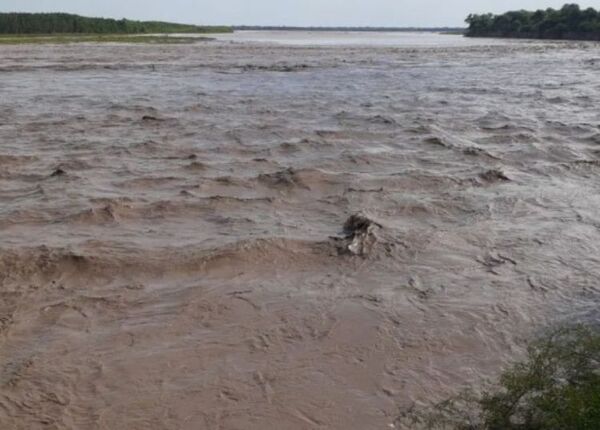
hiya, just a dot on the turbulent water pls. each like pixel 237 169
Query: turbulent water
pixel 177 246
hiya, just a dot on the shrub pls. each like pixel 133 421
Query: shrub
pixel 557 386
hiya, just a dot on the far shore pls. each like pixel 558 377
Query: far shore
pixel 19 39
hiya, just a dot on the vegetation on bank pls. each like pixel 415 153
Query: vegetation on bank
pixel 569 22
pixel 556 387
pixel 97 38
pixel 63 23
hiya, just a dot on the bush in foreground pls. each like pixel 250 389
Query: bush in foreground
pixel 556 387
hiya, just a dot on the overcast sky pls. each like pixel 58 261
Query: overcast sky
pixel 396 13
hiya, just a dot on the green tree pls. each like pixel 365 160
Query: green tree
pixel 569 22
pixel 51 23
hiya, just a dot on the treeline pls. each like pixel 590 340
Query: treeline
pixel 64 23
pixel 569 22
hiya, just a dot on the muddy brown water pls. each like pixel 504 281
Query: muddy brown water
pixel 172 244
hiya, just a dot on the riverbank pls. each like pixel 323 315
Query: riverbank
pixel 98 38
pixel 593 37
pixel 15 23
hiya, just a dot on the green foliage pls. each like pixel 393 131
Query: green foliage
pixel 62 23
pixel 570 22
pixel 556 387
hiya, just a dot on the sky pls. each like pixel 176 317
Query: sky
pixel 388 13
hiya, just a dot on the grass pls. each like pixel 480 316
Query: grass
pixel 556 387
pixel 97 38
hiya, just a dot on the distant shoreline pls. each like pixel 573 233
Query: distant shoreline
pixel 453 30
pixel 69 38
